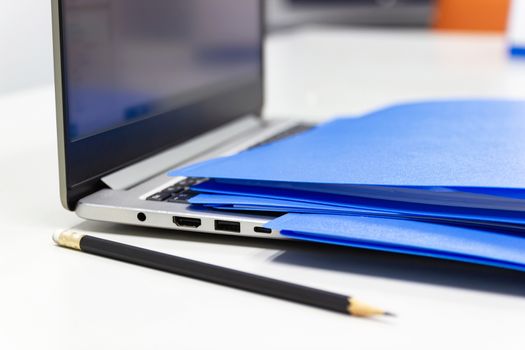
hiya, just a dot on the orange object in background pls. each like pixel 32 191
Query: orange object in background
pixel 481 15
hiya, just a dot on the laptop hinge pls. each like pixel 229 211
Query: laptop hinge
pixel 141 171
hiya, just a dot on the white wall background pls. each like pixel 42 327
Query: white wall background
pixel 26 58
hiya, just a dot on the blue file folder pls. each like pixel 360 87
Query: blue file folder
pixel 474 144
pixel 253 196
pixel 409 237
pixel 443 179
pixel 258 204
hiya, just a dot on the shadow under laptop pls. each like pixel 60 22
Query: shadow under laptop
pixel 349 260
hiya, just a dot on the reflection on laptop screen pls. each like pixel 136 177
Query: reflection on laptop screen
pixel 127 60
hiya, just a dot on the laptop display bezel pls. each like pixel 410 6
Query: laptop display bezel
pixel 84 162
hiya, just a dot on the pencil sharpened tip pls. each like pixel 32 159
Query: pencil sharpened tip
pixel 389 314
pixel 360 309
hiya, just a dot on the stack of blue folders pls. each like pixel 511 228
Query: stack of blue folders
pixel 443 179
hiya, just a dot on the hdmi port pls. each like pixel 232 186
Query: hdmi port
pixel 186 222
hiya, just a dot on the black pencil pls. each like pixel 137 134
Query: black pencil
pixel 216 274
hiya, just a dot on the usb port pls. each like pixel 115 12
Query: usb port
pixel 261 229
pixel 229 226
pixel 186 222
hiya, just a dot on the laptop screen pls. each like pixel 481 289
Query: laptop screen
pixel 135 77
pixel 128 60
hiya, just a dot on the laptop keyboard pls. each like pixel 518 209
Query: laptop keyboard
pixel 181 192
pixel 288 132
pixel 177 193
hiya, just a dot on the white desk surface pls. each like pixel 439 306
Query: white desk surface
pixel 54 298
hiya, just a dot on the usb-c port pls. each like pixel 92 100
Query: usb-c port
pixel 186 222
pixel 260 229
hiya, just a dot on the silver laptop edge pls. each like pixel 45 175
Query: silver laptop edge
pixel 124 201
pixel 59 101
pixel 123 204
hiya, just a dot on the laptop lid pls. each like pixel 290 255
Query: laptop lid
pixel 135 77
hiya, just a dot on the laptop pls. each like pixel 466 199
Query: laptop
pixel 143 87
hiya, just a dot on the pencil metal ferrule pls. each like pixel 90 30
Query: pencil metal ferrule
pixel 69 239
